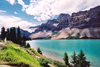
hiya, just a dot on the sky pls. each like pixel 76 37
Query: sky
pixel 26 13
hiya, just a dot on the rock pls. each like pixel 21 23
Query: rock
pixel 63 16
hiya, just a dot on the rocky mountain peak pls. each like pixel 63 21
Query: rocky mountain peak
pixel 63 16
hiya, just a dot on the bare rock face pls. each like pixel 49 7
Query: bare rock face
pixel 47 26
pixel 81 20
pixel 63 16
pixel 50 25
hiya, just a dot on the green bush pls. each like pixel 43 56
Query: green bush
pixel 39 51
pixel 27 45
pixel 43 62
pixel 58 64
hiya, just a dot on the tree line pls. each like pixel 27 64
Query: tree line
pixel 13 35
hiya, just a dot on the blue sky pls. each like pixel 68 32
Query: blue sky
pixel 26 13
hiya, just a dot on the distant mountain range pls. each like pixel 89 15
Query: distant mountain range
pixel 83 24
pixel 23 32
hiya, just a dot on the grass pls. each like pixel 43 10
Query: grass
pixel 16 55
pixel 35 52
pixel 28 52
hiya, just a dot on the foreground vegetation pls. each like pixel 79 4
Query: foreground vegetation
pixel 16 55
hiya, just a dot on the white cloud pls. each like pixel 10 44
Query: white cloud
pixel 15 13
pixel 2 11
pixel 12 21
pixel 23 4
pixel 44 9
pixel 12 2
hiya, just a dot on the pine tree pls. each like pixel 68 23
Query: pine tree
pixel 81 57
pixel 10 37
pixel 28 45
pixel 18 35
pixel 82 60
pixel 8 34
pixel 66 58
pixel 14 34
pixel 74 59
pixel 3 33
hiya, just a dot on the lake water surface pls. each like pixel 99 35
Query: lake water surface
pixel 56 48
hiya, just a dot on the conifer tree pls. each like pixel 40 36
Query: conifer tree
pixel 66 58
pixel 14 34
pixel 82 60
pixel 8 34
pixel 3 33
pixel 18 35
pixel 28 45
pixel 74 59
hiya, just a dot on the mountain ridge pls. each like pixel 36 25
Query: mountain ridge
pixel 22 32
pixel 87 22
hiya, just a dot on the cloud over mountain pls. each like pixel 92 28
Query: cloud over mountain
pixel 12 21
pixel 44 9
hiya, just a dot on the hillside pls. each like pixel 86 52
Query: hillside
pixel 15 55
pixel 83 24
pixel 12 55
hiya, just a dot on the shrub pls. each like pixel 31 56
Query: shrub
pixel 27 45
pixel 58 63
pixel 43 62
pixel 39 51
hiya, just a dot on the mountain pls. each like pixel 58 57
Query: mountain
pixel 63 16
pixel 83 24
pixel 23 32
pixel 52 24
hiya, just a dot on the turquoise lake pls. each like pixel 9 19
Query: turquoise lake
pixel 56 48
